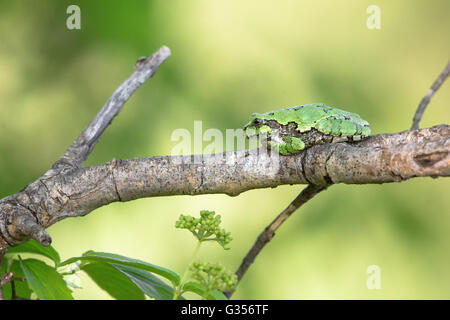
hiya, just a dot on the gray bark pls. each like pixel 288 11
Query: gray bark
pixel 68 190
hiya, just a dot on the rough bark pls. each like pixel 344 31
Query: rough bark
pixel 379 159
pixel 68 190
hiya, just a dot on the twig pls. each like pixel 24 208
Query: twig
pixel 269 232
pixel 80 149
pixel 426 100
pixel 13 289
pixel 6 278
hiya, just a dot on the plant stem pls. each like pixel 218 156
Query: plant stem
pixel 177 290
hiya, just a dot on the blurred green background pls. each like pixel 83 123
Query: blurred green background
pixel 229 59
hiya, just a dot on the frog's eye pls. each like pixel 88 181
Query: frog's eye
pixel 257 121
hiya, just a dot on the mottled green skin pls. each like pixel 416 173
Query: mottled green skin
pixel 318 123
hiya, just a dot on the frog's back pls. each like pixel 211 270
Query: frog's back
pixel 318 116
pixel 293 129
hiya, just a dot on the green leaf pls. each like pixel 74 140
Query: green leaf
pixel 22 289
pixel 45 281
pixel 147 282
pixel 200 290
pixel 117 284
pixel 92 256
pixel 32 246
pixel 4 265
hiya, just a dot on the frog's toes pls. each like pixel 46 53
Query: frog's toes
pixel 290 145
pixel 366 131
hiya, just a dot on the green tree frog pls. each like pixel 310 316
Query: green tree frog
pixel 291 130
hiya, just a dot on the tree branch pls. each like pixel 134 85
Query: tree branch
pixel 68 190
pixel 21 220
pixel 269 232
pixel 426 100
pixel 77 153
pixel 378 159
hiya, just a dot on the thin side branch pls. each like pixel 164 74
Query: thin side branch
pixel 6 278
pixel 77 153
pixel 426 100
pixel 266 236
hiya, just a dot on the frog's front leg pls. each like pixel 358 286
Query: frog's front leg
pixel 286 145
